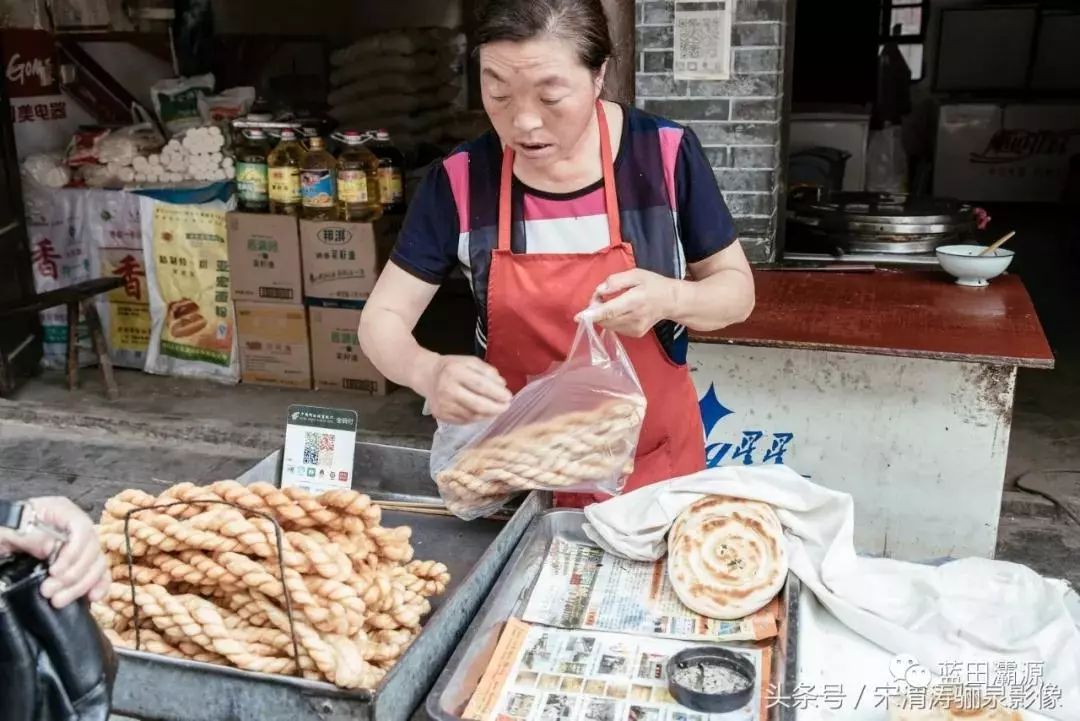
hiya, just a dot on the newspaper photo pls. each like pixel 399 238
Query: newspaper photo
pixel 548 674
pixel 582 586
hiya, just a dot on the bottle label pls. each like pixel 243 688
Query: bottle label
pixel 251 182
pixel 391 188
pixel 317 188
pixel 285 185
pixel 352 186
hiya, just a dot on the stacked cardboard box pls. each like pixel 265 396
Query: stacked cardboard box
pixel 267 289
pixel 299 289
pixel 341 263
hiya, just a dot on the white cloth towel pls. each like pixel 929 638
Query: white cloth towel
pixel 965 611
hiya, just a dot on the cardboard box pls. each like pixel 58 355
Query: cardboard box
pixel 336 358
pixel 274 347
pixel 339 261
pixel 264 258
pixel 342 260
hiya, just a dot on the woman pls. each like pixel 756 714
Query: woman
pixel 571 200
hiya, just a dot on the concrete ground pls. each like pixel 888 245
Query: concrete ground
pixel 1046 418
pixel 163 431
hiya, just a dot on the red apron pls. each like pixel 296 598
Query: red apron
pixel 531 303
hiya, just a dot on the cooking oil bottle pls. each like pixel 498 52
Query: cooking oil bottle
pixel 358 181
pixel 391 173
pixel 284 174
pixel 251 172
pixel 317 182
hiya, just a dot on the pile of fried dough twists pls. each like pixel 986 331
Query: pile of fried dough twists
pixel 207 580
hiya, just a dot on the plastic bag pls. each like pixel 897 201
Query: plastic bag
pixel 176 101
pixel 84 146
pixel 47 169
pixel 122 146
pixel 574 428
pixel 886 161
pixel 59 257
pixel 221 108
pixel 113 230
pixel 192 326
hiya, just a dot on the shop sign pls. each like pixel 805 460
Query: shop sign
pixel 747 446
pixel 30 68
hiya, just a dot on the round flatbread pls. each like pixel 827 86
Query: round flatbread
pixel 727 557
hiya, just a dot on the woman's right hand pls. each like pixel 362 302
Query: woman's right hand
pixel 464 389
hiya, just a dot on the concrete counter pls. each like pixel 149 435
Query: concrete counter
pixel 896 387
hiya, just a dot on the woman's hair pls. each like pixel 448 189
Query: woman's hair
pixel 582 22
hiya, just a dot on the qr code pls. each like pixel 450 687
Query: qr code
pixel 319 449
pixel 699 38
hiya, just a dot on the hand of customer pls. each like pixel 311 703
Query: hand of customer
pixel 464 389
pixel 79 569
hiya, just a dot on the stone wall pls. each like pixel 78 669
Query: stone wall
pixel 740 120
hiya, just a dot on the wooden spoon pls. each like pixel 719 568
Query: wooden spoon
pixel 998 243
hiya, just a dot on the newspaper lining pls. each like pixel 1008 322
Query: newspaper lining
pixel 548 674
pixel 583 587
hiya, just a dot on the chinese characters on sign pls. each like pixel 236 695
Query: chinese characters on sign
pixel 267 245
pixel 45 257
pixel 754 447
pixel 336 255
pixel 36 112
pixel 341 336
pixel 131 271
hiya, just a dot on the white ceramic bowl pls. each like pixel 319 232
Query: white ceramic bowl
pixel 969 268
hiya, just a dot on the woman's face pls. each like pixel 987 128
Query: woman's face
pixel 538 95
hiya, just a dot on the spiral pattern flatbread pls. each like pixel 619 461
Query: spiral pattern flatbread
pixel 727 557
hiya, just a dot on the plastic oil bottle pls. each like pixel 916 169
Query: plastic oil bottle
pixel 252 184
pixel 317 182
pixel 283 166
pixel 391 173
pixel 358 181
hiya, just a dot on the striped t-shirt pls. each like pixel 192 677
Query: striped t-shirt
pixel 669 202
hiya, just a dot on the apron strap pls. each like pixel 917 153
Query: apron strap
pixel 607 162
pixel 505 190
pixel 611 201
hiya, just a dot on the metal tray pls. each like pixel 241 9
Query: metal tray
pixel 508 597
pixel 157 688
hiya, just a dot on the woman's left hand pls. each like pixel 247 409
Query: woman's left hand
pixel 634 301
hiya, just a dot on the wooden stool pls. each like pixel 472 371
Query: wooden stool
pixel 80 295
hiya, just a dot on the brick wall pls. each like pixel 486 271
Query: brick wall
pixel 739 121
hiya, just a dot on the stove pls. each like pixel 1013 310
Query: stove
pixel 872 228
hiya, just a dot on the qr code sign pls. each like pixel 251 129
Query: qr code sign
pixel 698 37
pixel 318 449
pixel 702 44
